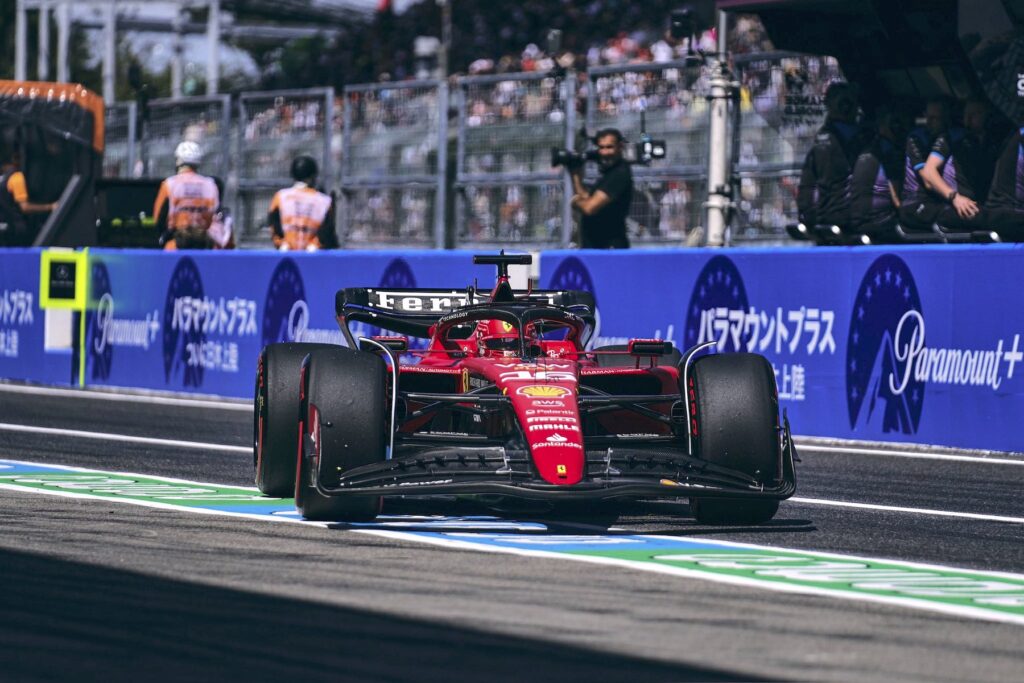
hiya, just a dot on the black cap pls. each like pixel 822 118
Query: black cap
pixel 304 168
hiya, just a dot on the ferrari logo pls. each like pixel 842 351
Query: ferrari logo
pixel 542 391
pixel 507 326
pixel 561 470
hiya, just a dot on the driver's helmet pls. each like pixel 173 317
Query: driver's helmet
pixel 497 338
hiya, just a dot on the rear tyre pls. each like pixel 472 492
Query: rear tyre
pixel 275 416
pixel 735 426
pixel 624 360
pixel 343 424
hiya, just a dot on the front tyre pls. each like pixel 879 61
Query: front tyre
pixel 275 416
pixel 343 426
pixel 735 425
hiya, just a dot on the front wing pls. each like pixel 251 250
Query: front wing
pixel 657 468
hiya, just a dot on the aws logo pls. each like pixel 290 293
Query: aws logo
pixel 717 307
pixel 883 393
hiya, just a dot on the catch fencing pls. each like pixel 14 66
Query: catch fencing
pixel 413 165
pixel 205 120
pixel 506 191
pixel 394 156
pixel 119 154
pixel 781 107
pixel 274 128
pixel 669 101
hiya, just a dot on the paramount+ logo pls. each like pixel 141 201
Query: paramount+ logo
pixel 889 360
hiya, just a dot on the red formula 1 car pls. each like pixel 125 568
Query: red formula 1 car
pixel 504 402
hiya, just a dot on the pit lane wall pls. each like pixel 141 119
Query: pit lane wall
pixel 911 344
pixel 195 323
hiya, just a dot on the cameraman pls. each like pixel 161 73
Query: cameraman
pixel 606 205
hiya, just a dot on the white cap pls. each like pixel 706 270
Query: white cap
pixel 188 153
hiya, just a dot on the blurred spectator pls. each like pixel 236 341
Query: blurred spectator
pixel 187 204
pixel 824 195
pixel 1005 205
pixel 16 210
pixel 916 212
pixel 301 218
pixel 952 173
pixel 878 176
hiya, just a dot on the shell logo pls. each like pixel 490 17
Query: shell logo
pixel 542 391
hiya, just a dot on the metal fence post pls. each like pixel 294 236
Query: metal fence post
pixel 132 109
pixel 569 82
pixel 442 165
pixel 327 175
pixel 346 141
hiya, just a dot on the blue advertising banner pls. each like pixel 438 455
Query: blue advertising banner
pixel 196 322
pixel 915 344
pixel 23 355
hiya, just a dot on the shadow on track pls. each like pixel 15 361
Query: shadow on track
pixel 63 619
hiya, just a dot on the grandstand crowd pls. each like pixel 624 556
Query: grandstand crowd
pixel 782 105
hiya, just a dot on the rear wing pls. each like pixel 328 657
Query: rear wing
pixel 414 311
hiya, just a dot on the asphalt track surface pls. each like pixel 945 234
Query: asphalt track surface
pixel 102 591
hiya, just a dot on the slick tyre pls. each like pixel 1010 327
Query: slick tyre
pixel 624 360
pixel 275 416
pixel 343 425
pixel 735 426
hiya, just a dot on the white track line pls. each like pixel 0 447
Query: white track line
pixel 4 426
pixel 212 402
pixel 853 450
pixel 913 511
pixel 240 405
pixel 247 449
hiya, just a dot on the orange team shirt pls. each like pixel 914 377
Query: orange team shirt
pixel 302 211
pixel 16 186
pixel 191 200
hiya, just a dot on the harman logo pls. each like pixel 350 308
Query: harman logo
pixel 717 293
pixel 180 342
pixel 880 391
